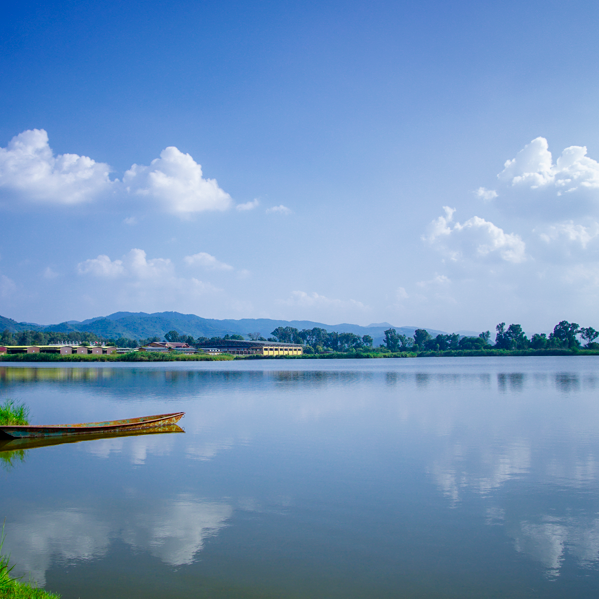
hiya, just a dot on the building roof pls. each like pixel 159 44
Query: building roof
pixel 240 343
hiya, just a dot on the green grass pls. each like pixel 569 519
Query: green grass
pixel 13 588
pixel 13 413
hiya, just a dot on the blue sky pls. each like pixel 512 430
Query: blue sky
pixel 333 161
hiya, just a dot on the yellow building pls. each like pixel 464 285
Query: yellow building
pixel 249 348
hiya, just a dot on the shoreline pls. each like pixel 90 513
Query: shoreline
pixel 158 357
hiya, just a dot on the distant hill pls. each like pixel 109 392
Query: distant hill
pixel 140 325
pixel 14 327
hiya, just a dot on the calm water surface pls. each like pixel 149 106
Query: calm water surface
pixel 422 478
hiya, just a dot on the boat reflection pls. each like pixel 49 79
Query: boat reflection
pixel 12 446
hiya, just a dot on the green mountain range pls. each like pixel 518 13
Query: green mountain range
pixel 140 325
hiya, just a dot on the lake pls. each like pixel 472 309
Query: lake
pixel 386 478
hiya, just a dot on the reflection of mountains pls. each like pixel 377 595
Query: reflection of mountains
pixel 173 531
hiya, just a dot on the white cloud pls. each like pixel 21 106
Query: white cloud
pixel 50 273
pixel 151 284
pixel 436 280
pixel 102 266
pixel 7 286
pixel 570 232
pixel 175 180
pixel 248 205
pixel 134 264
pixel 206 261
pixel 533 186
pixel 475 239
pixel 401 294
pixel 279 210
pixel 29 171
pixel 303 299
pixel 533 166
pixel 486 194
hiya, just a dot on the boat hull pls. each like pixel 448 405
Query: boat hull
pixel 89 428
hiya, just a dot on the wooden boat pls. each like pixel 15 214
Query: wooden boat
pixel 24 431
pixel 10 444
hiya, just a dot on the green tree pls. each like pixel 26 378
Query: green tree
pixel 421 336
pixel 472 343
pixel 501 340
pixel 486 337
pixel 539 341
pixel 391 340
pixel 287 335
pixel 172 336
pixel 589 334
pixel 564 335
pixel 7 338
pixel 367 341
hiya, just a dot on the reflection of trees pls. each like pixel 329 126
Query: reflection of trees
pixel 514 381
pixel 9 459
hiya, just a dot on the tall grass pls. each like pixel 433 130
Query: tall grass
pixel 13 588
pixel 13 413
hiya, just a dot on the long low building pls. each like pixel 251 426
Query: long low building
pixel 63 350
pixel 248 348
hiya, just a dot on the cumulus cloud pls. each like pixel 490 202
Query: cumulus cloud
pixel 134 264
pixel 279 210
pixel 30 171
pixel 533 167
pixel 248 205
pixel 175 181
pixel 206 261
pixel 475 239
pixel 534 186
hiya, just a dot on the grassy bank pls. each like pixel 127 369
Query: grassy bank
pixel 13 413
pixel 130 357
pixel 11 588
pixel 452 353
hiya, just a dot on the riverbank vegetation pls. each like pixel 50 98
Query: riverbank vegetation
pixel 129 357
pixel 13 413
pixel 565 336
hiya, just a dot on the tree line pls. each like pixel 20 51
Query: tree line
pixel 565 335
pixel 39 338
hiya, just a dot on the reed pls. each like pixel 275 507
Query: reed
pixel 13 588
pixel 13 413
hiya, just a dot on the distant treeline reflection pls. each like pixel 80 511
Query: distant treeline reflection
pixel 128 382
